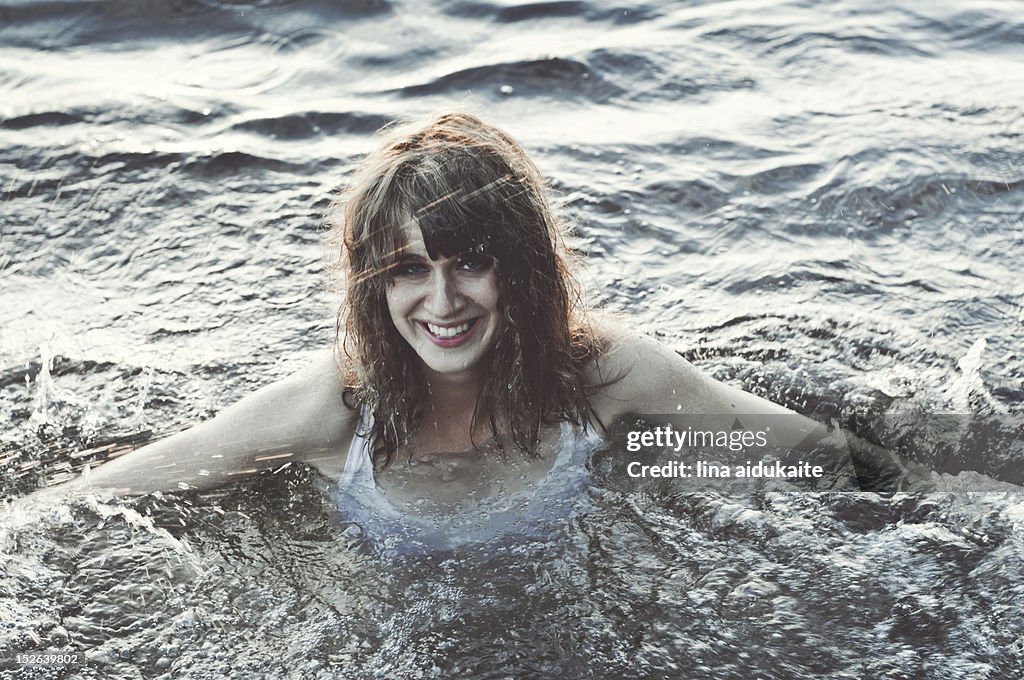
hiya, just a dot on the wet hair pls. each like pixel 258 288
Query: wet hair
pixel 469 187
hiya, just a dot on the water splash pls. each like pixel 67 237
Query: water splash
pixel 967 392
pixel 43 397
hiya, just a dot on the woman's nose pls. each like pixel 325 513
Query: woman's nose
pixel 444 298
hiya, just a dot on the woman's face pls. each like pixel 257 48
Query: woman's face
pixel 446 309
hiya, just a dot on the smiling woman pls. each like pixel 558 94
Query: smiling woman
pixel 448 223
pixel 461 337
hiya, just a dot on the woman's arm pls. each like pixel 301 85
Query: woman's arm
pixel 300 418
pixel 646 378
pixel 642 377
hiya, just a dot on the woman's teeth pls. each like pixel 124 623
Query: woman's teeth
pixel 449 332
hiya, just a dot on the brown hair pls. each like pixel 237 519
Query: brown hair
pixel 469 186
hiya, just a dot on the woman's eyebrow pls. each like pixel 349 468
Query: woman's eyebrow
pixel 405 257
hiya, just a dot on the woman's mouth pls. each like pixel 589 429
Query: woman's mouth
pixel 452 335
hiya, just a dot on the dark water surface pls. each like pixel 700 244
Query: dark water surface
pixel 821 203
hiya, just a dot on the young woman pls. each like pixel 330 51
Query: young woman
pixel 464 363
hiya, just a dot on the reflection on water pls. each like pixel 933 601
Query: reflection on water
pixel 819 203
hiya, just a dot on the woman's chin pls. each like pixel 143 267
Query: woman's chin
pixel 451 371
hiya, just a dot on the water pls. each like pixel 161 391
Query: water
pixel 819 203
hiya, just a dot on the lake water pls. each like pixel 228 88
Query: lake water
pixel 821 203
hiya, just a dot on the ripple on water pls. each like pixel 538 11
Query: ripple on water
pixel 252 65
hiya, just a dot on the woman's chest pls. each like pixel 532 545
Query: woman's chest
pixel 446 481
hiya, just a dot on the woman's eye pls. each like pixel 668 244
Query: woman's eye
pixel 474 262
pixel 408 269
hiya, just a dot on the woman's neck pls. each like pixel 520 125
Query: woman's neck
pixel 448 416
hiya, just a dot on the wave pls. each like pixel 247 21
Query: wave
pixel 41 119
pixel 540 11
pixel 552 77
pixel 313 124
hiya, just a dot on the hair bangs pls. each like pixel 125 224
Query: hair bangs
pixel 460 209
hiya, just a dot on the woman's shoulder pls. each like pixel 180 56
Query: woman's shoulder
pixel 637 374
pixel 629 355
pixel 315 401
pixel 641 376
